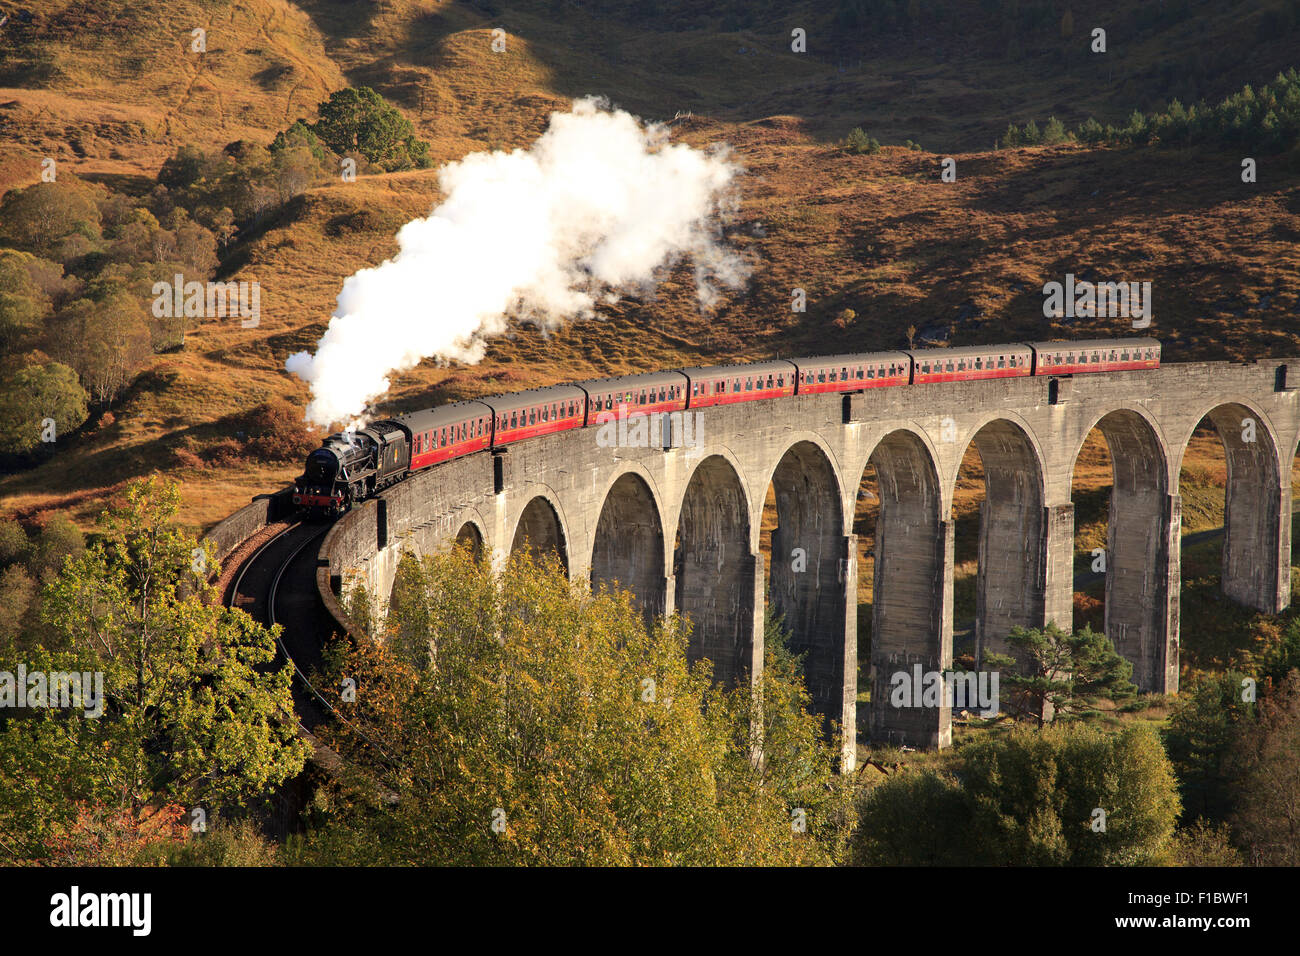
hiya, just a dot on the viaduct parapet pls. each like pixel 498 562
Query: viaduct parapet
pixel 680 527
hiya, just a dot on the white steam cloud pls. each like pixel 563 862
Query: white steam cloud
pixel 599 204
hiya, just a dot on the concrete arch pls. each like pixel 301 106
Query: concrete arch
pixel 628 549
pixel 789 441
pixel 1135 431
pixel 911 611
pixel 471 536
pixel 1015 420
pixel 541 530
pixel 694 459
pixel 715 572
pixel 1256 509
pixel 807 577
pixel 1142 548
pixel 1011 584
pixel 1249 407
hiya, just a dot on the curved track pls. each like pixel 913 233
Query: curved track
pixel 277 585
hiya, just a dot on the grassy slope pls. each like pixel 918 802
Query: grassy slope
pixel 877 234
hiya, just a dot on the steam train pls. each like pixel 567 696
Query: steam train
pixel 350 467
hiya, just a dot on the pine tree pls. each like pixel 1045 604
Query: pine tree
pixel 1064 673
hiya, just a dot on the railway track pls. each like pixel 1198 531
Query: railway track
pixel 277 585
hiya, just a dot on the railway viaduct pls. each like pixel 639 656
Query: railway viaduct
pixel 679 527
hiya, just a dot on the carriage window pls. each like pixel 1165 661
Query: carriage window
pixel 532 416
pixel 961 365
pixel 979 362
pixel 1069 358
pixel 1123 356
pixel 871 373
pixel 770 380
pixel 749 384
pixel 1002 361
pixel 821 376
pixel 780 381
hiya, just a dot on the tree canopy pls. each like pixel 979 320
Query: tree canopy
pixel 193 710
pixel 357 119
pixel 517 718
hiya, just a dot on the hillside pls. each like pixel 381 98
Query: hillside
pixel 110 90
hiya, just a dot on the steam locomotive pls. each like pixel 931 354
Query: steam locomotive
pixel 350 467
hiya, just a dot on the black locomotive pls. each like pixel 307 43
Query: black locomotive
pixel 352 466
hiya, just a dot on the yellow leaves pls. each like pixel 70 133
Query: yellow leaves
pixel 533 703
